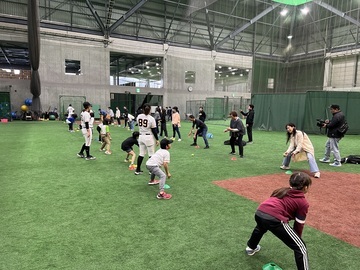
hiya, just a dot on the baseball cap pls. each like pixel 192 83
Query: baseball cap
pixel 164 143
pixel 87 104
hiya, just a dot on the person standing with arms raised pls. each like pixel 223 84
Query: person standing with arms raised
pixel 148 137
pixel 249 122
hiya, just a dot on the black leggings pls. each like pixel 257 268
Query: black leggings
pixel 284 232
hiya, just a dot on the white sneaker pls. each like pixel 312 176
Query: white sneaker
pixel 324 160
pixel 179 140
pixel 335 164
pixel 283 167
pixel 251 252
pixel 317 175
pixel 107 153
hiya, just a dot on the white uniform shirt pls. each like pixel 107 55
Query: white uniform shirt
pixel 70 110
pixel 146 123
pixel 85 117
pixel 158 159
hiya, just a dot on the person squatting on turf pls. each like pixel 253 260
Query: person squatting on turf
pixel 86 131
pixel 105 137
pixel 127 146
pixel 300 148
pixel 200 130
pixel 70 121
pixel 237 131
pixel 160 158
pixel 274 214
pixel 147 137
pixel 334 136
pixel 175 120
pixel 249 122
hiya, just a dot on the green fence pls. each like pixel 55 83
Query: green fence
pixel 217 108
pixel 273 111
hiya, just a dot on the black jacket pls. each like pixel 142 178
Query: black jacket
pixel 249 117
pixel 332 127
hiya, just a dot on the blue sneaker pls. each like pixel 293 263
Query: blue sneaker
pixel 251 252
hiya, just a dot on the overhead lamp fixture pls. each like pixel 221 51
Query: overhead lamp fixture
pixel 284 12
pixel 305 10
pixel 16 71
pixel 290 36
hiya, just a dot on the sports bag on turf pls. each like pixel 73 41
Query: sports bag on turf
pixel 352 159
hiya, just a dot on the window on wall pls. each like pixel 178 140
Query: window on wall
pixel 190 76
pixel 72 67
pixel 136 70
pixel 232 79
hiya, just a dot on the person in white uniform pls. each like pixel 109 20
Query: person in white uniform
pixel 86 131
pixel 148 137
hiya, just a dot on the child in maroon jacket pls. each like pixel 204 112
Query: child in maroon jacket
pixel 274 214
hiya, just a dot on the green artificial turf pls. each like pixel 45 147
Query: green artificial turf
pixel 59 211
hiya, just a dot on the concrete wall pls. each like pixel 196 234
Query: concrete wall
pixel 94 83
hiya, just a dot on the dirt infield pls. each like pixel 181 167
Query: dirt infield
pixel 334 200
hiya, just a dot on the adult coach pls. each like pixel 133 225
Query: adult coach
pixel 148 137
pixel 249 122
pixel 86 131
pixel 200 130
pixel 237 131
pixel 334 136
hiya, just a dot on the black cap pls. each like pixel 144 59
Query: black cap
pixel 335 107
pixel 164 143
pixel 87 104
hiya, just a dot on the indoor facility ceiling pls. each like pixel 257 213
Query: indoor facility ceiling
pixel 282 29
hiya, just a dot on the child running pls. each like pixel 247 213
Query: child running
pixel 160 158
pixel 274 214
pixel 127 146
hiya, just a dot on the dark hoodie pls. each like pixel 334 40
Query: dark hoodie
pixel 293 206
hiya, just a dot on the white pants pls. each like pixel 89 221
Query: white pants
pixel 146 144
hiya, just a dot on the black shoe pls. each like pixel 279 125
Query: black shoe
pixel 232 153
pixel 138 172
pixel 193 144
pixel 80 155
pixel 206 147
pixel 241 156
pixel 90 158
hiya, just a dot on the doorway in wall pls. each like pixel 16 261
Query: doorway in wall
pixel 5 110
pixel 75 101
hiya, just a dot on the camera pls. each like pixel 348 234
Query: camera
pixel 320 122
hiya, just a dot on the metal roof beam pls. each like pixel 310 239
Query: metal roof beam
pixel 211 37
pixel 337 12
pixel 242 28
pixel 126 16
pixel 96 16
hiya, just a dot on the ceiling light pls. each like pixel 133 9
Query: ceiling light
pixel 284 12
pixel 241 74
pixel 220 66
pixel 290 36
pixel 305 10
pixel 233 73
pixel 229 67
